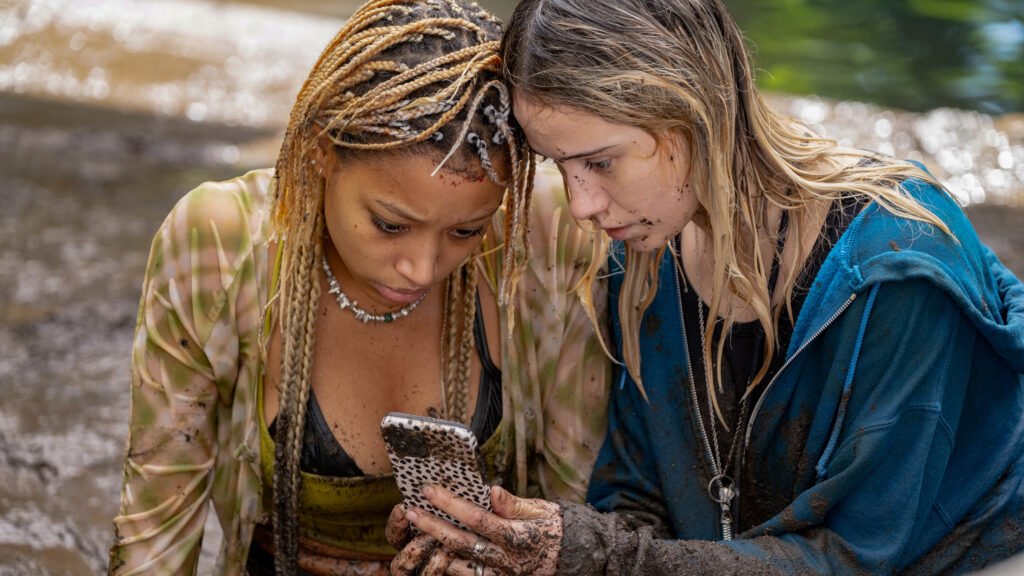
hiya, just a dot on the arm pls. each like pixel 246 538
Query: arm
pixel 184 363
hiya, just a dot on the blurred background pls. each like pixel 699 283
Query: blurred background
pixel 110 110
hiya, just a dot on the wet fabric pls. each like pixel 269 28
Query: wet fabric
pixel 193 437
pixel 742 352
pixel 891 441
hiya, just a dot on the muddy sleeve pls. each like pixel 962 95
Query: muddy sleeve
pixel 607 543
pixel 184 361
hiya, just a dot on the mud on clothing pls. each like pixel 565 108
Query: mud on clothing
pixel 892 439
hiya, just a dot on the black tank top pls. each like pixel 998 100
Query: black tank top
pixel 742 351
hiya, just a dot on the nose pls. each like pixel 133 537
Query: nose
pixel 419 265
pixel 586 199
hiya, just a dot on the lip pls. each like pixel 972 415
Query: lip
pixel 401 297
pixel 620 233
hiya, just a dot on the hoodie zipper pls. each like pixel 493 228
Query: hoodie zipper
pixel 726 520
pixel 760 401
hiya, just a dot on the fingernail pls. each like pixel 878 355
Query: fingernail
pixel 410 516
pixel 428 491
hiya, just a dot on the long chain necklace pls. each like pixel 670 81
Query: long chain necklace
pixel 346 303
pixel 722 488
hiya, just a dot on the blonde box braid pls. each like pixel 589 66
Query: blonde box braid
pixel 395 77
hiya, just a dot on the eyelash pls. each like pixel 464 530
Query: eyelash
pixel 467 233
pixel 387 227
pixel 392 229
pixel 601 166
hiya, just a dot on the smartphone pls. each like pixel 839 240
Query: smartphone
pixel 425 450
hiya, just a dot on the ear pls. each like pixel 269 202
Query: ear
pixel 322 154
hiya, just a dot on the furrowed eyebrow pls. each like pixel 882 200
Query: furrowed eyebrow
pixel 398 211
pixel 405 214
pixel 582 154
pixel 483 214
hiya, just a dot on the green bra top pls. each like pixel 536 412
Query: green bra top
pixel 349 513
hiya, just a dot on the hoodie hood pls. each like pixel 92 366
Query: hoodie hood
pixel 881 247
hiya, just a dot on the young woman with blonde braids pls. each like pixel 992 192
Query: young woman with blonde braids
pixel 285 312
pixel 822 367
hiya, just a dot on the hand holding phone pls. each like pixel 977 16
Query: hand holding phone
pixel 426 451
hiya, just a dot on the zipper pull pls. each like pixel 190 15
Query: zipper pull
pixel 723 497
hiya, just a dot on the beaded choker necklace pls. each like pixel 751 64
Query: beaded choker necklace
pixel 345 303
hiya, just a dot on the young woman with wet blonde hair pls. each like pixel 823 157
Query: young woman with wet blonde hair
pixel 285 312
pixel 821 366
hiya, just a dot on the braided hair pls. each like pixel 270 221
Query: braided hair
pixel 402 76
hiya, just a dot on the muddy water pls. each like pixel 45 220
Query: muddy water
pixel 78 207
pixel 85 184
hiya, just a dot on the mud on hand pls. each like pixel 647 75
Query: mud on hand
pixel 521 536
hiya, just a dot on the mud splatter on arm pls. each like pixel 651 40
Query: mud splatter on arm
pixel 605 543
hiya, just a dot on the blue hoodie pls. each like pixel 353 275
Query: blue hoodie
pixel 891 440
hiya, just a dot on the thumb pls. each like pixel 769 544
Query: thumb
pixel 510 507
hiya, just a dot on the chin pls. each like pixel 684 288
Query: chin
pixel 646 243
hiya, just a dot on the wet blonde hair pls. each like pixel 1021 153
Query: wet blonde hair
pixel 679 69
pixel 401 76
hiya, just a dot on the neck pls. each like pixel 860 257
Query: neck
pixel 698 255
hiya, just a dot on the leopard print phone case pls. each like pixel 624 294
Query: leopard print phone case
pixel 425 451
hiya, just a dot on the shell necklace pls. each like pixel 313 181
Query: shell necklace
pixel 346 303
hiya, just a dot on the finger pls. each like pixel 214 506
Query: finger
pixel 397 531
pixel 449 535
pixel 454 539
pixel 458 541
pixel 409 559
pixel 510 507
pixel 438 563
pixel 460 567
pixel 477 519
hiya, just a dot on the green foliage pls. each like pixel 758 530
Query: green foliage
pixel 915 55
